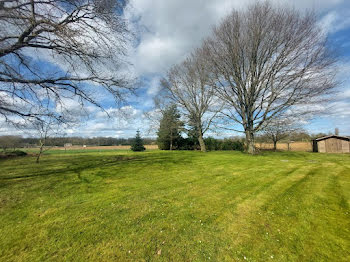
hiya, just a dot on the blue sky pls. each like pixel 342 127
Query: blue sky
pixel 166 31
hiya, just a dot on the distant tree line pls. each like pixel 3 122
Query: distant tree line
pixel 297 136
pixel 173 134
pixel 181 140
pixel 13 142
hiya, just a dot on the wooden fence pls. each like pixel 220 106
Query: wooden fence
pixel 148 147
pixel 294 146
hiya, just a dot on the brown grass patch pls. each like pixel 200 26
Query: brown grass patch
pixel 148 147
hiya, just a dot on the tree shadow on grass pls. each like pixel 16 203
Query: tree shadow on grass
pixel 78 166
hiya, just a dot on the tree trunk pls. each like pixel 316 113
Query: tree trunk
pixel 171 141
pixel 249 135
pixel 274 145
pixel 40 152
pixel 38 157
pixel 201 142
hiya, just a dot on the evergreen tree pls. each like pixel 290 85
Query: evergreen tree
pixel 193 134
pixel 169 129
pixel 137 145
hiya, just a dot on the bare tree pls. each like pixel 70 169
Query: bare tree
pixel 189 86
pixel 45 129
pixel 279 129
pixel 7 142
pixel 51 51
pixel 161 104
pixel 267 60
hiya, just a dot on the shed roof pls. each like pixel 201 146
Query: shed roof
pixel 333 136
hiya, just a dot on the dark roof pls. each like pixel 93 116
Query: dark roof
pixel 333 136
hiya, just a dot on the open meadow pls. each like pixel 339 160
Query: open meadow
pixel 175 206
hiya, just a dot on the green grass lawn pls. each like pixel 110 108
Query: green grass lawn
pixel 175 206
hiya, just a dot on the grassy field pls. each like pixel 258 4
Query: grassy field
pixel 175 206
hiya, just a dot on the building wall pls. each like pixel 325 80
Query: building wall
pixel 333 145
pixel 321 146
pixel 345 146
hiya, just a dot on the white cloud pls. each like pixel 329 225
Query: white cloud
pixel 340 110
pixel 346 94
pixel 335 21
pixel 119 122
pixel 154 86
pixel 169 30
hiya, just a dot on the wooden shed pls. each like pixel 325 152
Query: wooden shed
pixel 332 144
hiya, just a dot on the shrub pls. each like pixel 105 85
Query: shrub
pixel 229 144
pixel 226 144
pixel 188 143
pixel 19 153
pixel 13 153
pixel 212 144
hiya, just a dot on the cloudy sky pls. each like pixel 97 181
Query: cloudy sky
pixel 166 31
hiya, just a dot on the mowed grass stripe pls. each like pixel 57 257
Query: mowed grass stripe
pixel 289 229
pixel 175 206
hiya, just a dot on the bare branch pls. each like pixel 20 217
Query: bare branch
pixel 52 50
pixel 188 85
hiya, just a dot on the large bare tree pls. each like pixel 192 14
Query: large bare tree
pixel 189 86
pixel 267 60
pixel 51 51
